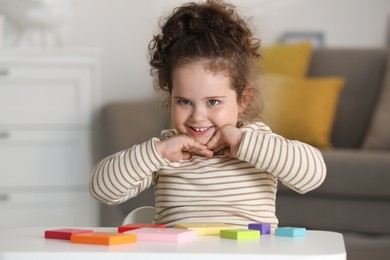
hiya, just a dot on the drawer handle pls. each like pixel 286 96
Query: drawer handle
pixel 4 135
pixel 4 73
pixel 4 197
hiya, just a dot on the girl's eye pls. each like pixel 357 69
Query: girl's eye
pixel 213 102
pixel 183 102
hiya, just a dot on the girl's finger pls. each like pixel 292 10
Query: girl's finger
pixel 227 152
pixel 186 155
pixel 201 150
pixel 219 148
pixel 206 153
pixel 214 142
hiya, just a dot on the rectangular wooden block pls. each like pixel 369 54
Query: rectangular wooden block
pixel 65 233
pixel 205 228
pixel 240 234
pixel 128 227
pixel 290 232
pixel 164 234
pixel 103 238
pixel 264 228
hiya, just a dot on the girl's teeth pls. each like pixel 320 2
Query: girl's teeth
pixel 200 129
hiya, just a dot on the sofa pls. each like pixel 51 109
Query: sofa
pixel 355 196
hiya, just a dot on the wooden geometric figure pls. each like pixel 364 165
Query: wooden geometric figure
pixel 65 233
pixel 103 238
pixel 264 228
pixel 240 234
pixel 164 234
pixel 290 232
pixel 205 229
pixel 128 227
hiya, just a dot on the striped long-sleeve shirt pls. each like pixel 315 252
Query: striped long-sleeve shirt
pixel 234 191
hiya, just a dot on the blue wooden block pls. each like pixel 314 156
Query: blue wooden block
pixel 290 232
pixel 265 228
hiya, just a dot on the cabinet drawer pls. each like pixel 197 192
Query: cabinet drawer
pixel 50 208
pixel 45 95
pixel 44 158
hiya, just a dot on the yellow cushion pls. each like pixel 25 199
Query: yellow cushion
pixel 302 109
pixel 287 59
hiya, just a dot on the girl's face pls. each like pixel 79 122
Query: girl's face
pixel 202 101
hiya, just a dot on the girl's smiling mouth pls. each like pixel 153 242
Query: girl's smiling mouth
pixel 199 130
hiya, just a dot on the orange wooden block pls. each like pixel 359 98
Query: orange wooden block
pixel 103 238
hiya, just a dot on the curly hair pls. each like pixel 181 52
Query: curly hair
pixel 212 31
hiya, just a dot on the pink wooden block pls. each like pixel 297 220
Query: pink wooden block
pixel 164 234
pixel 65 233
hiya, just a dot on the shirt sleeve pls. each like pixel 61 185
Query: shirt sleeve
pixel 125 174
pixel 298 165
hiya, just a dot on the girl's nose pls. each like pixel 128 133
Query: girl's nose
pixel 198 114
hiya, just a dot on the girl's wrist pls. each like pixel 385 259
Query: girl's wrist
pixel 159 147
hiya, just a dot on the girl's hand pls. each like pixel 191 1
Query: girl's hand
pixel 181 147
pixel 226 140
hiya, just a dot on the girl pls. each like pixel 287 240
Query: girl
pixel 215 166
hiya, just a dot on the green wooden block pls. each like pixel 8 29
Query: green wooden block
pixel 240 234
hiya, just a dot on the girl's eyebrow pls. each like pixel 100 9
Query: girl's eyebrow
pixel 215 97
pixel 211 97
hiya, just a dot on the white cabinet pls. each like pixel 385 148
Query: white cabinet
pixel 48 99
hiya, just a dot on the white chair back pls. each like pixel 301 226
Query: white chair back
pixel 141 215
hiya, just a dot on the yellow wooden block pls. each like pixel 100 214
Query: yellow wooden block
pixel 103 238
pixel 205 229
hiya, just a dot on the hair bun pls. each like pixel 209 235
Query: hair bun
pixel 197 25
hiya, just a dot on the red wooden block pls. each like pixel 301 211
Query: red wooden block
pixel 128 227
pixel 65 233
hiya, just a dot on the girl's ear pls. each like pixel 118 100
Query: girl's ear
pixel 245 99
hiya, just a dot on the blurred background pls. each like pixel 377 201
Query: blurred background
pixel 123 28
pixel 95 52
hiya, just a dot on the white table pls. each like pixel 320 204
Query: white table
pixel 29 243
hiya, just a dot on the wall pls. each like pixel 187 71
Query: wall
pixel 345 23
pixel 123 28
